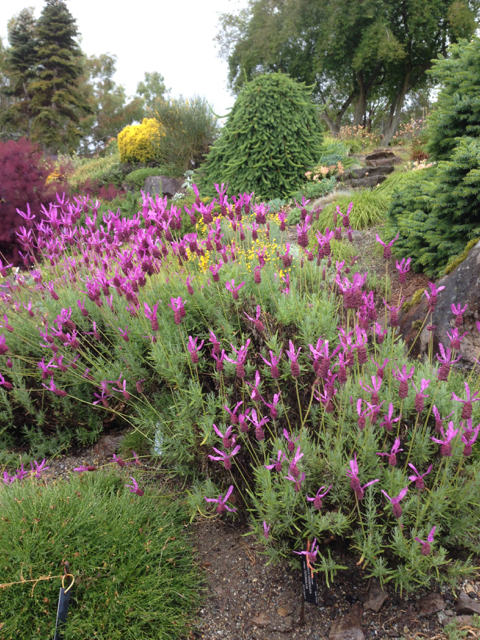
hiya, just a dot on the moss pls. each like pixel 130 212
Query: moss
pixel 417 325
pixel 460 258
pixel 415 299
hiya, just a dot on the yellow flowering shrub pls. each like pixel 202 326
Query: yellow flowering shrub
pixel 140 142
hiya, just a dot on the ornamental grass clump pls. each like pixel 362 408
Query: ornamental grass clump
pixel 261 379
pixel 135 575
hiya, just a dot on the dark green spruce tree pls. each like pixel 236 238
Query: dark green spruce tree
pixel 19 66
pixel 272 137
pixel 57 99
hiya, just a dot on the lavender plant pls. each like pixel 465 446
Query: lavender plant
pixel 263 368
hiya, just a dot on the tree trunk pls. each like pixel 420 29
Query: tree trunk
pixel 395 112
pixel 359 116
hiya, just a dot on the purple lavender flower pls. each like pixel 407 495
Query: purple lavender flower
pixel 55 389
pixel 230 285
pixel 374 389
pixel 420 396
pixel 225 457
pixel 417 478
pixel 403 268
pixel 456 338
pixel 403 378
pixel 397 509
pixel 39 468
pixel 439 420
pixel 258 424
pixel 446 443
pixel 273 363
pixel 354 480
pixel 277 465
pixel 426 549
pixel 273 406
pixel 458 312
pixel 228 441
pixel 255 395
pixel 256 321
pixel 387 248
pixel 446 362
pixel 134 487
pixel 241 357
pixel 152 315
pixel 266 530
pixel 310 553
pixel 291 443
pixel 222 502
pixel 469 436
pixel 432 297
pixel 293 357
pixel 388 419
pixel 233 414
pixel 194 349
pixel 468 403
pixel 85 468
pixel 392 456
pixel 317 500
pixel 179 310
pixel 297 480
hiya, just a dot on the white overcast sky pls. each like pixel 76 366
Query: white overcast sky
pixel 172 37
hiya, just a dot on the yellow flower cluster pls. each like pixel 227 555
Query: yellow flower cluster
pixel 140 142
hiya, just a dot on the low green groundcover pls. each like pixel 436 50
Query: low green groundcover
pixel 134 566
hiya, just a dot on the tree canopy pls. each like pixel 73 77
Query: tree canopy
pixel 354 52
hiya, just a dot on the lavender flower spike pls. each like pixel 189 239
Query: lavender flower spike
pixel 419 479
pixel 222 502
pixel 446 443
pixel 426 545
pixel 317 500
pixel 397 509
pixel 134 488
pixel 392 456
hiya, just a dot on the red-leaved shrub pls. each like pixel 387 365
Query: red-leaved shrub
pixel 23 180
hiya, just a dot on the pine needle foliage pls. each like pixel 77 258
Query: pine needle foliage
pixel 272 137
pixel 438 213
pixel 457 112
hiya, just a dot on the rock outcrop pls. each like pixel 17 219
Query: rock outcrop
pixel 163 185
pixel 462 286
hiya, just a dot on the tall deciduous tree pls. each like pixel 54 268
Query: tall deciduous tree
pixel 355 52
pixel 57 101
pixel 151 89
pixel 110 106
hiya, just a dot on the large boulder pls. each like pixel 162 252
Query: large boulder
pixel 163 185
pixel 462 286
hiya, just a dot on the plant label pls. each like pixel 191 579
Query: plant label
pixel 62 612
pixel 310 587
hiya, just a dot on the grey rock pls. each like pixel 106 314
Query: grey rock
pixel 261 620
pixel 462 286
pixel 467 605
pixel 443 619
pixel 364 183
pixel 431 603
pixel 282 625
pixel 349 627
pixel 163 185
pixel 462 620
pixel 381 157
pixel 376 597
pixel 107 446
pixel 448 612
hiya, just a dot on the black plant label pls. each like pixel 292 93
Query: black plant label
pixel 62 612
pixel 310 587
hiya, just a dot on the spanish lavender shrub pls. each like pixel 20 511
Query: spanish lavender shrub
pixel 106 320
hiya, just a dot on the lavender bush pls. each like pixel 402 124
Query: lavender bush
pixel 263 369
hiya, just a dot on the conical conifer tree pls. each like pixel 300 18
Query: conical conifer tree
pixel 272 137
pixel 57 100
pixel 20 64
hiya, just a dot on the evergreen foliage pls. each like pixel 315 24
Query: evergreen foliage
pixel 272 137
pixel 457 112
pixel 56 101
pixel 20 63
pixel 439 213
